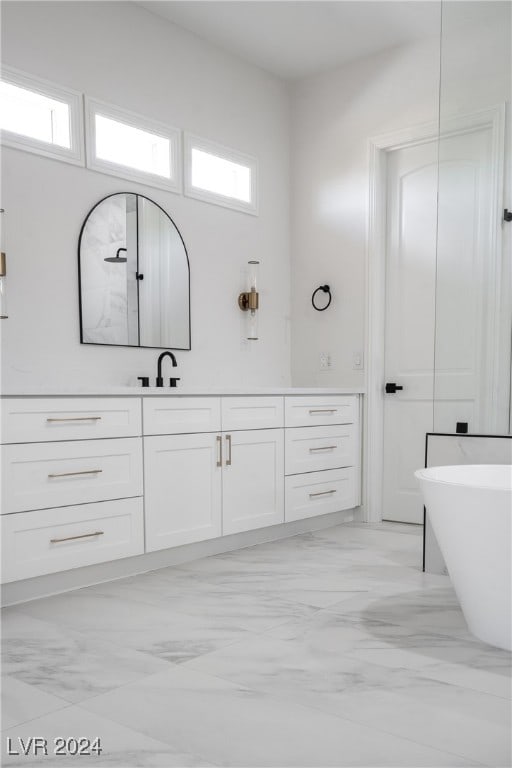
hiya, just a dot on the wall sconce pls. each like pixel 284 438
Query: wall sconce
pixel 249 302
pixel 3 267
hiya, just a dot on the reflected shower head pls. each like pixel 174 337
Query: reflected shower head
pixel 117 259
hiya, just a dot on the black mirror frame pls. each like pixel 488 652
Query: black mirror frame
pixel 131 346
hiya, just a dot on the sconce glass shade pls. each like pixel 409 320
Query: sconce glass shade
pixel 252 325
pixel 3 268
pixel 253 275
pixel 248 302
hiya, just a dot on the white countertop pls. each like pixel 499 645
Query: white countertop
pixel 178 391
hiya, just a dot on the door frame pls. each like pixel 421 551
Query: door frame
pixel 378 147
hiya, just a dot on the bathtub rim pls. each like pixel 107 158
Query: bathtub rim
pixel 425 475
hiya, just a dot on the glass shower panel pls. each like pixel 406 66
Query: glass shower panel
pixel 473 291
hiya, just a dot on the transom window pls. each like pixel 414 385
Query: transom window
pixel 40 117
pixel 128 145
pixel 220 175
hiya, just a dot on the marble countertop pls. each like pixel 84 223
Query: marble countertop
pixel 177 392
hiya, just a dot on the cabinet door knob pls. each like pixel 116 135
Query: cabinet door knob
pixel 228 441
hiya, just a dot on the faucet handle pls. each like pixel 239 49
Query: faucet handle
pixel 173 382
pixel 144 380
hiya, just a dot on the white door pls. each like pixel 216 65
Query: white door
pixel 253 479
pixel 424 330
pixel 183 489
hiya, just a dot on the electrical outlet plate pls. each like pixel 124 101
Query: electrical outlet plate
pixel 325 361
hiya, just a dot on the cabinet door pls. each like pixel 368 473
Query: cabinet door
pixel 253 480
pixel 183 489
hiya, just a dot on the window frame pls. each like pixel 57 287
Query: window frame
pixel 74 100
pixel 134 120
pixel 191 141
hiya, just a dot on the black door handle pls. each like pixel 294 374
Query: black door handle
pixel 391 388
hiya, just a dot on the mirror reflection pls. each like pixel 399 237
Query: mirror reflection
pixel 134 276
pixel 472 303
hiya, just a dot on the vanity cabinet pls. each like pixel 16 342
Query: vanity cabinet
pixel 88 480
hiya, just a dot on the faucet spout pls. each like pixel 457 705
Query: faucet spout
pixel 159 377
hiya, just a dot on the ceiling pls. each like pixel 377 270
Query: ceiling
pixel 297 38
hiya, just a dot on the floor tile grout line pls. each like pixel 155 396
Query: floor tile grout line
pixel 287 700
pixel 110 719
pixel 67 705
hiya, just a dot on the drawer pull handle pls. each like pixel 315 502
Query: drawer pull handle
pixel 76 418
pixel 228 460
pixel 219 444
pixel 71 474
pixel 322 493
pixel 323 410
pixel 82 536
pixel 323 448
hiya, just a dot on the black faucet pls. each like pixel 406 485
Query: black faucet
pixel 159 378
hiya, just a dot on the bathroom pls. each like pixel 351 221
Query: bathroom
pixel 221 555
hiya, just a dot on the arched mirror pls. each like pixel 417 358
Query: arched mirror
pixel 134 276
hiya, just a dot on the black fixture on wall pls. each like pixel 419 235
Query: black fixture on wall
pixel 324 289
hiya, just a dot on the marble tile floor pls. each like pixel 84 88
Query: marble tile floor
pixel 324 649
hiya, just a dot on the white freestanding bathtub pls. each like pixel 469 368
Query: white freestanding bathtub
pixel 470 508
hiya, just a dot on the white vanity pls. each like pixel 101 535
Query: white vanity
pixel 89 480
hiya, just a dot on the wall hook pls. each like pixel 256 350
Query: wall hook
pixel 325 289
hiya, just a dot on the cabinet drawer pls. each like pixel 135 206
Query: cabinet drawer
pixel 310 449
pixel 318 493
pixel 51 540
pixel 44 475
pixel 252 413
pixel 28 420
pixel 315 411
pixel 180 415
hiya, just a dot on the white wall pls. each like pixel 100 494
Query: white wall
pixel 333 117
pixel 123 54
